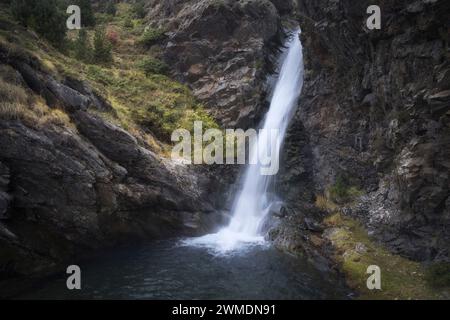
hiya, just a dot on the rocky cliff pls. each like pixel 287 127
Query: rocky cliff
pixel 72 182
pixel 372 129
pixel 370 137
pixel 223 50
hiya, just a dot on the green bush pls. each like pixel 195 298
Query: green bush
pixel 102 47
pixel 111 8
pixel 45 16
pixel 152 66
pixel 151 36
pixel 128 23
pixel 82 47
pixel 338 190
pixel 87 14
pixel 139 10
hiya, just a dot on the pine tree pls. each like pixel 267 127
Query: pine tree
pixel 44 16
pixel 111 8
pixel 102 48
pixel 82 47
pixel 87 14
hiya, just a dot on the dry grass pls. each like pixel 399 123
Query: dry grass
pixel 12 93
pixel 17 103
pixel 149 107
pixel 13 101
pixel 325 204
pixel 11 111
pixel 12 50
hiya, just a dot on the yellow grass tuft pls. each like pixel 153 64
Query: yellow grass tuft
pixel 325 204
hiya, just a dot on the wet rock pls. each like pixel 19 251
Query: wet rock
pixel 312 225
pixel 76 190
pixel 73 193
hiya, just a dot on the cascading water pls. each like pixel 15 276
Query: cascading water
pixel 252 202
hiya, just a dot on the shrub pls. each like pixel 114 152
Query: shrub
pixel 22 10
pixel 152 66
pixel 151 36
pixel 139 10
pixel 102 47
pixel 325 204
pixel 338 191
pixel 112 36
pixel 82 47
pixel 128 23
pixel 111 8
pixel 44 16
pixel 87 14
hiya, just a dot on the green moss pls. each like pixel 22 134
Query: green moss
pixel 400 278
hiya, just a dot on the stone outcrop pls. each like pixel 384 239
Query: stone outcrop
pixel 223 50
pixel 68 190
pixel 375 111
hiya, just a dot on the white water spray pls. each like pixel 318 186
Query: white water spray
pixel 252 202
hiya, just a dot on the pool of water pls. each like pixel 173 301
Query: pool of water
pixel 171 270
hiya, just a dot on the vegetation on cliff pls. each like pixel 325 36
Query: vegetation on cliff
pixel 145 101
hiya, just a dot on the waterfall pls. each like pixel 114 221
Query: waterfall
pixel 252 203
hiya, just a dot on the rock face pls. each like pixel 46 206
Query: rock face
pixel 375 110
pixel 222 49
pixel 71 189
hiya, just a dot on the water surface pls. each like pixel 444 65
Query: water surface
pixel 168 270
